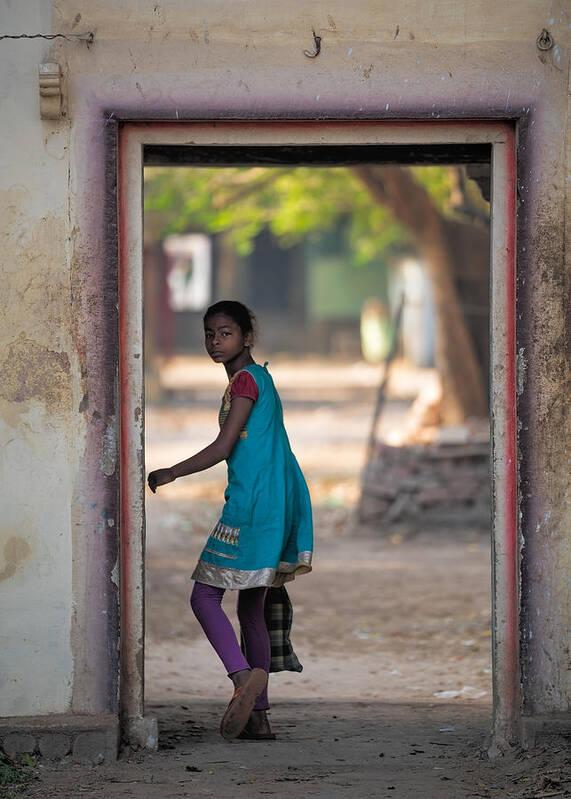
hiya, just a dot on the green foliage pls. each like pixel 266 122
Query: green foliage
pixel 438 182
pixel 295 203
pixel 15 771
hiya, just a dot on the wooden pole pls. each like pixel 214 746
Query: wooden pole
pixel 381 393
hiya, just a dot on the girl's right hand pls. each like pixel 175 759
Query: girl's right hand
pixel 159 477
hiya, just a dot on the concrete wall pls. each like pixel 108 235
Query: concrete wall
pixel 58 351
pixel 41 433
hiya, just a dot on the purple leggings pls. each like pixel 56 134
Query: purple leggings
pixel 206 602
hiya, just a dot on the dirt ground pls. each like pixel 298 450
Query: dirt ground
pixel 393 629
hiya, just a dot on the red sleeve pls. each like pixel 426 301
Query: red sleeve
pixel 244 385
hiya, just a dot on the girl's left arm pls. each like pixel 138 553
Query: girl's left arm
pixel 219 450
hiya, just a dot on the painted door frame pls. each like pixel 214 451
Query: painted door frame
pixel 132 136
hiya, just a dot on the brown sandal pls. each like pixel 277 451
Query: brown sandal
pixel 242 703
pixel 249 735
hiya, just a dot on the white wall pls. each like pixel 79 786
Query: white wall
pixel 38 439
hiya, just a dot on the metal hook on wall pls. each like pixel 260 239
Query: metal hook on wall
pixel 545 40
pixel 317 44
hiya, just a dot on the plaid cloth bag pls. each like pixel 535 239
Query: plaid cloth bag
pixel 278 612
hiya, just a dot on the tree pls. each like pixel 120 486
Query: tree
pixel 450 250
pixel 385 209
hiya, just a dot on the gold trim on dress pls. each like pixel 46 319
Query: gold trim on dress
pixel 230 578
pixel 303 560
pixel 226 534
pixel 220 554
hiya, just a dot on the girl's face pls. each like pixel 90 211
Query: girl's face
pixel 223 338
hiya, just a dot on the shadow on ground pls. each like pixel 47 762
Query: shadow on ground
pixel 332 749
pixel 326 750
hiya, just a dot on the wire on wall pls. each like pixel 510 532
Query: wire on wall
pixel 84 37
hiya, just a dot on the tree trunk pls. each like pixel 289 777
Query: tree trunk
pixel 452 254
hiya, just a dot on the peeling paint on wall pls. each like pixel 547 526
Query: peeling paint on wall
pixel 115 574
pixel 15 552
pixel 109 448
pixel 521 368
pixel 30 371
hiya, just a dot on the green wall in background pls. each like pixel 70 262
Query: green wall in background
pixel 336 289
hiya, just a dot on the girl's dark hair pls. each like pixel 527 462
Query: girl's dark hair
pixel 243 316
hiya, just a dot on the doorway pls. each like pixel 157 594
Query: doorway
pixel 320 143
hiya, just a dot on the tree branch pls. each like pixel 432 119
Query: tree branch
pixel 219 202
pixel 410 203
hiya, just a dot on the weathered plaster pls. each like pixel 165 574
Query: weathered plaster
pixel 17 550
pixel 238 60
pixel 39 439
pixel 542 416
pixel 30 371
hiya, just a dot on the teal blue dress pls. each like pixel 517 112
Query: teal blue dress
pixel 264 536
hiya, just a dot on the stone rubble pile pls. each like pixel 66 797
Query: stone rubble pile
pixel 426 486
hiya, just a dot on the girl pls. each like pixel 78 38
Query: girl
pixel 264 536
